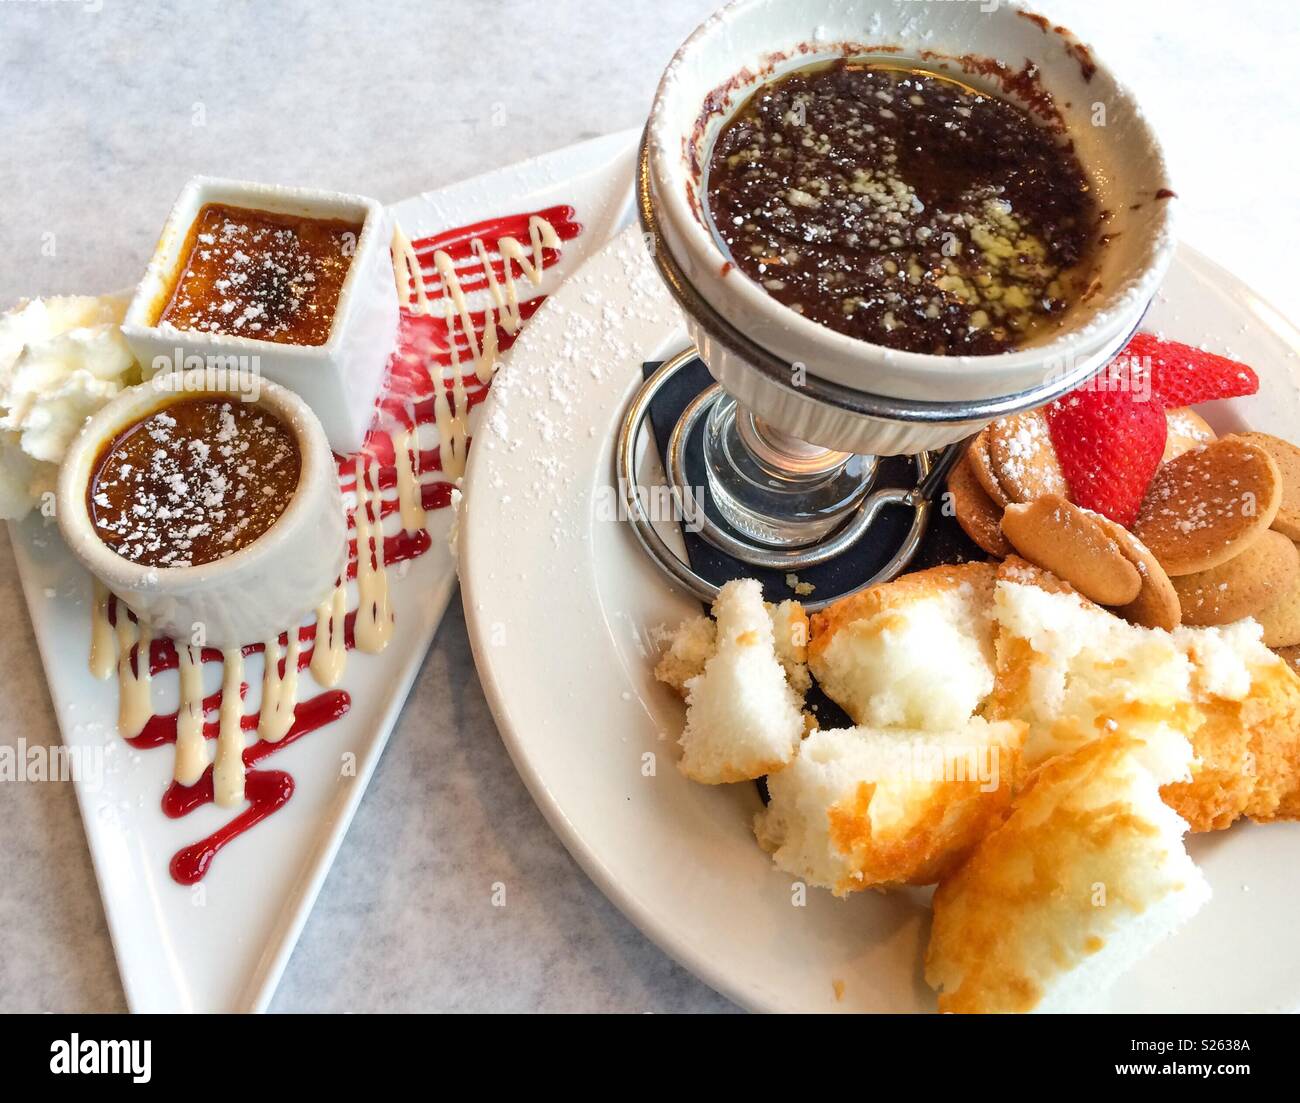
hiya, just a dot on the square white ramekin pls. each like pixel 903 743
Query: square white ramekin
pixel 340 379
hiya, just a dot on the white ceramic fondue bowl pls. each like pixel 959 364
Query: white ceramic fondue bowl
pixel 257 592
pixel 857 396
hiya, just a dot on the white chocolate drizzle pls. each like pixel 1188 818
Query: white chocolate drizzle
pixel 228 767
pixel 405 446
pixel 541 236
pixel 279 691
pixel 374 623
pixel 191 747
pixel 453 425
pixel 329 653
pixel 103 649
pixel 406 272
pixel 504 310
pixel 134 681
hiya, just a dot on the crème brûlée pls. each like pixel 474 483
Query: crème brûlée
pixel 265 275
pixel 211 510
pixel 193 481
pixel 296 284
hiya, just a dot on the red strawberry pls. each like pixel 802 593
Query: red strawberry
pixel 1109 446
pixel 1182 375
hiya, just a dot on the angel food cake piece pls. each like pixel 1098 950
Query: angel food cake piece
pixel 1247 731
pixel 744 714
pixel 1036 755
pixel 862 807
pixel 902 797
pixel 694 641
pixel 1085 877
pixel 915 653
pixel 1073 672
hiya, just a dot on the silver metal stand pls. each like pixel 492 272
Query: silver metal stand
pixel 931 474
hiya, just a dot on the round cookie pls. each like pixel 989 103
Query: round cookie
pixel 1023 458
pixel 1290 656
pixel 1280 618
pixel 1242 586
pixel 1287 457
pixel 982 466
pixel 977 513
pixel 1071 543
pixel 1187 430
pixel 1157 604
pixel 1204 507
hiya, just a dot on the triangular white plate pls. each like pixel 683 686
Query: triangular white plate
pixel 222 944
pixel 562 616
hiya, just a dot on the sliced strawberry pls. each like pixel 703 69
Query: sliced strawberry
pixel 1109 445
pixel 1182 375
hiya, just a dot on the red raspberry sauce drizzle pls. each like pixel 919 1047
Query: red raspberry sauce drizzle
pixel 424 343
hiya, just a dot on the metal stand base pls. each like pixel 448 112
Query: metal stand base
pixel 792 515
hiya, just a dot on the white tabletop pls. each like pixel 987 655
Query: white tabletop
pixel 108 107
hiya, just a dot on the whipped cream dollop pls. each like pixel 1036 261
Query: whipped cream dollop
pixel 61 359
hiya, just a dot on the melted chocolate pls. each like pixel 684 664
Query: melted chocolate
pixel 903 208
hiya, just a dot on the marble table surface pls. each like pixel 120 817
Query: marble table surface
pixel 109 106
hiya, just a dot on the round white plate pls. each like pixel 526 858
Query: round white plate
pixel 561 604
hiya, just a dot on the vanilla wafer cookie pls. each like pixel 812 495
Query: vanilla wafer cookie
pixel 979 515
pixel 1206 506
pixel 1157 604
pixel 1023 458
pixel 1187 430
pixel 1280 618
pixel 982 466
pixel 1244 585
pixel 1287 457
pixel 1071 543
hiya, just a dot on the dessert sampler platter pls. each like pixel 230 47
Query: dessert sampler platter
pixel 231 496
pixel 952 667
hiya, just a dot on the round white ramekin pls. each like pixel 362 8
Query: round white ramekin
pixel 750 42
pixel 250 596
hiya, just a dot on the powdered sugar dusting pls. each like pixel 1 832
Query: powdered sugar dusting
pixel 194 482
pixel 260 275
pixel 540 403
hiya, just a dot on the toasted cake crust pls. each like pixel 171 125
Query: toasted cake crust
pixel 1021 920
pixel 895 595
